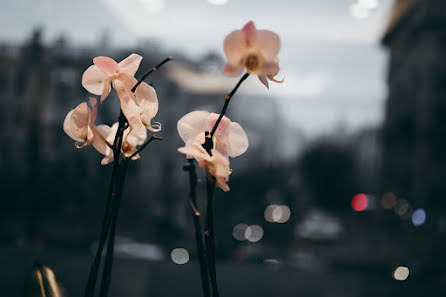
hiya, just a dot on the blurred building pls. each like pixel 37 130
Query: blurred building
pixel 414 143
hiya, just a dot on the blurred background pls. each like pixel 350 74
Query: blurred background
pixel 341 192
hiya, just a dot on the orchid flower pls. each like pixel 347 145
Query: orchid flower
pixel 229 140
pixel 98 77
pixel 129 143
pixel 255 50
pixel 216 164
pixel 79 125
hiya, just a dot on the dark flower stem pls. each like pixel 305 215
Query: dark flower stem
pixel 209 233
pixel 106 277
pixel 210 187
pixel 204 271
pixel 142 147
pixel 151 71
pixel 111 206
pixel 227 100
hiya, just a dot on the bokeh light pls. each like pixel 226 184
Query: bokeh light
pixel 238 232
pixel 418 217
pixel 254 233
pixel 179 256
pixel 401 273
pixel 269 213
pixel 403 209
pixel 360 202
pixel 277 213
pixel 388 200
pixel 218 2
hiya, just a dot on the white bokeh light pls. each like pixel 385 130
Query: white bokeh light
pixel 179 256
pixel 401 273
pixel 238 232
pixel 254 233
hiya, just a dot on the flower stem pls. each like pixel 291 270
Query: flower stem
pixel 109 209
pixel 112 205
pixel 151 71
pixel 106 277
pixel 227 100
pixel 209 233
pixel 153 137
pixel 204 271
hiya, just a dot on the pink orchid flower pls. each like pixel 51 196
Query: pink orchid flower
pixel 229 139
pixel 139 109
pixel 129 143
pixel 217 164
pixel 79 125
pixel 98 77
pixel 255 50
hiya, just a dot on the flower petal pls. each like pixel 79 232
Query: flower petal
pixel 235 47
pixel 128 80
pixel 270 68
pixel 237 140
pixel 130 64
pixel 268 43
pixel 148 102
pixel 100 133
pixel 249 31
pixel 194 149
pixel 76 122
pixel 94 109
pixel 107 65
pixel 233 70
pixel 222 126
pixel 219 168
pixel 133 114
pixel 264 81
pixel 192 124
pixel 93 80
pixel 107 89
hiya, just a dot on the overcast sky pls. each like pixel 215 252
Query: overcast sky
pixel 331 58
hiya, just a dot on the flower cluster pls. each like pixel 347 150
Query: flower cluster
pixel 139 108
pixel 248 49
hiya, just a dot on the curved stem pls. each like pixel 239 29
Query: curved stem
pixel 151 71
pixel 153 137
pixel 227 100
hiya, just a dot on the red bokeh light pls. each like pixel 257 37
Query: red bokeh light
pixel 360 202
